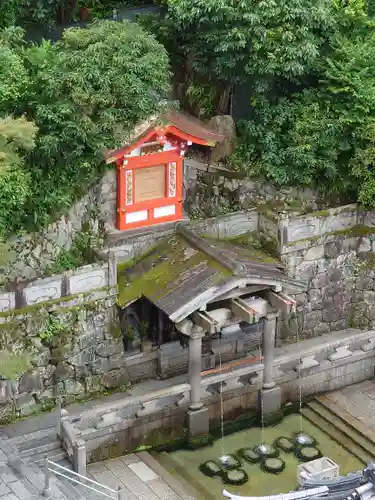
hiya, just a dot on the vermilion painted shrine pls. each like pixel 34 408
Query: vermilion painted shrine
pixel 150 169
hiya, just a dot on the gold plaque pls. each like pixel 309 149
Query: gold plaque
pixel 150 183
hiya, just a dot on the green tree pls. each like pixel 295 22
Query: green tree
pixel 234 38
pixel 88 91
pixel 17 136
pixel 323 136
pixel 255 41
pixel 14 77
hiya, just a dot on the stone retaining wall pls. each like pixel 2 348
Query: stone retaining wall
pixel 27 257
pixel 210 194
pixel 59 337
pixel 332 252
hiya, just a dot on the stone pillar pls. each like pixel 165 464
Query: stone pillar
pixel 195 367
pixel 79 457
pixel 198 420
pixel 269 337
pixel 270 395
pixel 160 327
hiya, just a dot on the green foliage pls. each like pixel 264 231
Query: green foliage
pixel 310 78
pixel 16 137
pixel 27 12
pixel 322 135
pixel 14 78
pixel 13 365
pixel 54 328
pixel 85 94
pixel 81 252
pixel 228 41
pixel 9 10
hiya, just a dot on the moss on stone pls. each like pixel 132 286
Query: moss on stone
pixel 12 366
pixel 256 247
pixel 50 303
pixel 155 274
pixel 106 451
pixel 115 329
pixel 356 231
pixel 320 213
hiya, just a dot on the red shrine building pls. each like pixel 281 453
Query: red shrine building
pixel 150 169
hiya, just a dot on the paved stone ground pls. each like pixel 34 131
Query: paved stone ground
pixel 358 400
pixel 138 475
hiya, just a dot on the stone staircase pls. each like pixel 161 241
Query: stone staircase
pixel 341 426
pixel 27 467
pixel 35 450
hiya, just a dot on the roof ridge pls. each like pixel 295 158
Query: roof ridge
pixel 198 242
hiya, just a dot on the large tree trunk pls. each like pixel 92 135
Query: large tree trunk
pixel 223 105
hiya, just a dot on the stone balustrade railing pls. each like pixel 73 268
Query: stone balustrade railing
pixel 326 362
pixel 229 381
pixel 81 280
pixel 317 364
pixel 92 424
pixel 75 447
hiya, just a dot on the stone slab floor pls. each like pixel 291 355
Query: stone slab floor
pixel 356 405
pixel 136 478
pixel 139 475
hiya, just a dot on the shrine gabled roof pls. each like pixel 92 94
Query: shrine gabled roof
pixel 181 274
pixel 175 122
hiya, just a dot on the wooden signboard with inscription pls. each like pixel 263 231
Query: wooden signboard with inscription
pixel 150 169
pixel 149 183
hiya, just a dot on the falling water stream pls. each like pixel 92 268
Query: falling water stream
pixel 261 389
pixel 223 456
pixel 299 373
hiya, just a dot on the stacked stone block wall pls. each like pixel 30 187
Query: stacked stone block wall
pixel 60 338
pixel 29 256
pixel 332 253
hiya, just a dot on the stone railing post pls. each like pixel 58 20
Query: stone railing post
pixel 79 457
pixel 64 417
pixel 112 269
pixel 269 337
pixel 59 415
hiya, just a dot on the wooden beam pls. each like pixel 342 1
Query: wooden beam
pixel 242 310
pixel 201 319
pixel 281 301
pixel 238 292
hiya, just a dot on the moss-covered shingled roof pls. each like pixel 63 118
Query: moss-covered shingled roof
pixel 185 266
pixel 171 272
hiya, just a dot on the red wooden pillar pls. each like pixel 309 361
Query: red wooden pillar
pixel 121 190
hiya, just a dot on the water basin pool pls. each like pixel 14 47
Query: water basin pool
pixel 184 464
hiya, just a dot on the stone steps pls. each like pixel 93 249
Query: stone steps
pixel 36 450
pixel 76 491
pixel 349 419
pixel 341 424
pixel 335 434
pixel 329 418
pixel 31 479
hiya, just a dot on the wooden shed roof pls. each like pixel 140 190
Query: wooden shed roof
pixel 186 271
